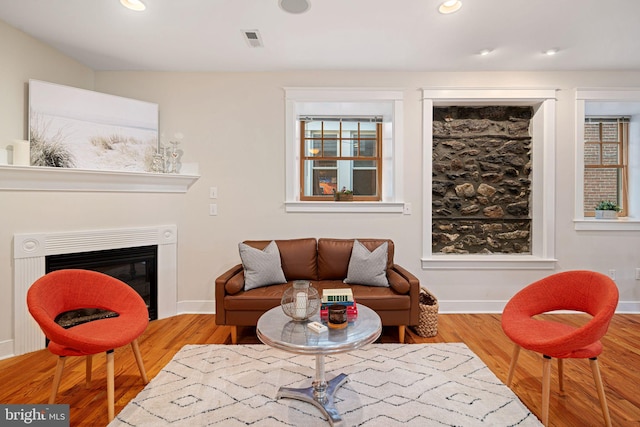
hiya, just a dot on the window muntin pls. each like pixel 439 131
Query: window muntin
pixel 605 163
pixel 340 153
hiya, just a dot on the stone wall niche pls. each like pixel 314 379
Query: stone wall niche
pixel 482 180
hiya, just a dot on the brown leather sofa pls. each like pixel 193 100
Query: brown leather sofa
pixel 324 262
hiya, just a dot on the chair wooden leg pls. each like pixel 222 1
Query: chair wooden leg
pixel 136 352
pixel 546 388
pixel 401 330
pixel 234 335
pixel 89 370
pixel 512 366
pixel 561 374
pixel 56 379
pixel 600 387
pixel 110 385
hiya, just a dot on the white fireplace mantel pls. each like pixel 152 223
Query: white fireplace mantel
pixel 62 179
pixel 30 251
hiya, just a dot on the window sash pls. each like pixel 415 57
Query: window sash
pixel 357 145
pixel 602 147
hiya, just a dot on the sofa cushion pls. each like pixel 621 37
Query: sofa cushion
pixel 261 267
pixel 259 299
pixel 334 255
pixel 298 257
pixel 368 267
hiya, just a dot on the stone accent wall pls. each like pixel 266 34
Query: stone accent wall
pixel 481 180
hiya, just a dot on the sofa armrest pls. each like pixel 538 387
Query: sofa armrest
pixel 414 291
pixel 221 283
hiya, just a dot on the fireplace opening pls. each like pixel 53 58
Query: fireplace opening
pixel 135 266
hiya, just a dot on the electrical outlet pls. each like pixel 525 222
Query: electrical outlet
pixel 612 274
pixel 213 209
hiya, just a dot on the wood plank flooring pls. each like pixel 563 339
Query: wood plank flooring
pixel 27 378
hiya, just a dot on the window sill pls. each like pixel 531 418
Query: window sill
pixel 487 262
pixel 34 178
pixel 343 207
pixel 592 224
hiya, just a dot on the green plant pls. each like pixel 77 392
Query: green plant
pixel 607 205
pixel 343 194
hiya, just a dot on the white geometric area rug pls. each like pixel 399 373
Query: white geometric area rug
pixel 389 385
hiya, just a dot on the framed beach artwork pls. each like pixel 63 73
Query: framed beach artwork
pixel 77 128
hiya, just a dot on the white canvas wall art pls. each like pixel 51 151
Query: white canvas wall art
pixel 77 128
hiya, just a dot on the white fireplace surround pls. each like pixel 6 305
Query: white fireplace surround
pixel 30 250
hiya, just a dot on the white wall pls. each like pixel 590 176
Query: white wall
pixel 234 128
pixel 23 58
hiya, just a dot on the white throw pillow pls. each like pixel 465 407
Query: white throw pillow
pixel 261 267
pixel 368 268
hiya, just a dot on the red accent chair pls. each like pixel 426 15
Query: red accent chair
pixel 579 290
pixel 65 290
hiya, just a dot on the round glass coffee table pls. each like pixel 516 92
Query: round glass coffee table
pixel 277 330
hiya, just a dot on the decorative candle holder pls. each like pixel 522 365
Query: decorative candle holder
pixel 173 157
pixel 158 162
pixel 300 301
pixel 337 318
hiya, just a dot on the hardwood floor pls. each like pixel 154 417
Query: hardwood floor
pixel 27 378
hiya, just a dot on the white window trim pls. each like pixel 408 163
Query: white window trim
pixel 392 182
pixel 580 222
pixel 543 191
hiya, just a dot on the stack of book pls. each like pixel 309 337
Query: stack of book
pixel 341 296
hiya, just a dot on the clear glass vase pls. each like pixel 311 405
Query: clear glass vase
pixel 300 301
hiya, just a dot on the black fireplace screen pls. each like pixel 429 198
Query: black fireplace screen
pixel 135 266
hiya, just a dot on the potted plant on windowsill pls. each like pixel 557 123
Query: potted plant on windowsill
pixel 343 195
pixel 607 210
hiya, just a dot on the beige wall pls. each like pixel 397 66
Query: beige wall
pixel 234 128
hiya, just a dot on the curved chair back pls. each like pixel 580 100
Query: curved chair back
pixel 578 290
pixel 71 289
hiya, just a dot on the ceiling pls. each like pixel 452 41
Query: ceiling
pixel 372 35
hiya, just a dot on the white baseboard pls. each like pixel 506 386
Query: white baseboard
pixel 197 307
pixel 628 307
pixel 496 306
pixel 464 306
pixel 6 349
pixel 445 306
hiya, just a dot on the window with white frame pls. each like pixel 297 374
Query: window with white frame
pixel 340 155
pixel 605 162
pixel 607 156
pixel 542 204
pixel 344 139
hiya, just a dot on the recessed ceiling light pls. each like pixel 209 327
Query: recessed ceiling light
pixel 450 6
pixel 485 52
pixel 551 52
pixel 136 5
pixel 294 6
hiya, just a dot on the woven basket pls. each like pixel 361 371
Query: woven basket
pixel 428 322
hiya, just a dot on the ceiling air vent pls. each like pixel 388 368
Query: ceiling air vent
pixel 253 38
